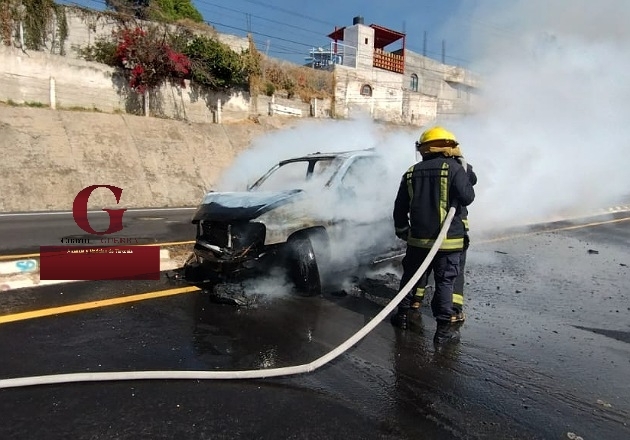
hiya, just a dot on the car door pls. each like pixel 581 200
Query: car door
pixel 363 226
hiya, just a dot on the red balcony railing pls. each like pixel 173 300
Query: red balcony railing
pixel 389 61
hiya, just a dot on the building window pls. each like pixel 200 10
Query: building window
pixel 414 82
pixel 366 41
pixel 366 90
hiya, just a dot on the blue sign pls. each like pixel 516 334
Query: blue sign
pixel 26 265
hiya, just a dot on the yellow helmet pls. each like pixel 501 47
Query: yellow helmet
pixel 437 134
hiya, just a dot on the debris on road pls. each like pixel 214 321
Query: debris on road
pixel 604 404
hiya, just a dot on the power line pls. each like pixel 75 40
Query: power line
pixel 289 12
pixel 248 28
pixel 258 33
pixel 259 17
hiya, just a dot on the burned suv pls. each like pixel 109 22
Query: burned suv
pixel 312 216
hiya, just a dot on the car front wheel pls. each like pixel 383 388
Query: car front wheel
pixel 303 268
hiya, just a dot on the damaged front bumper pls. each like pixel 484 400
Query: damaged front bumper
pixel 226 251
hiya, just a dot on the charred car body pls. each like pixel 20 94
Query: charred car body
pixel 311 216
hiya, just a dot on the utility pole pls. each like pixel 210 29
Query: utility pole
pixel 248 18
pixel 267 48
pixel 21 11
pixel 443 51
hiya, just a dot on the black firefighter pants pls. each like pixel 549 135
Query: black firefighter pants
pixel 458 290
pixel 445 268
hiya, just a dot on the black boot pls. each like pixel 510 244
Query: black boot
pixel 446 332
pixel 400 319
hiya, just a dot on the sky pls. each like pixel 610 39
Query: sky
pixel 289 30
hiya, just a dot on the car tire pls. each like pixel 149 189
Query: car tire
pixel 303 269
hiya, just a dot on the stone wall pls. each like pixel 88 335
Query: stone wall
pixel 386 97
pixel 453 87
pixel 85 26
pixel 442 90
pixel 26 78
pixel 318 108
pixel 418 108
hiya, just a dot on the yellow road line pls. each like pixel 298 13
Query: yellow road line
pixel 18 257
pixel 172 243
pixel 170 292
pixel 565 228
pixel 36 255
pixel 94 304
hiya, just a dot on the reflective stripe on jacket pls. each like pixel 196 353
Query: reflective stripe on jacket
pixel 427 191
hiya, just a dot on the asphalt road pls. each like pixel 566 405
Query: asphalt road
pixel 25 233
pixel 544 354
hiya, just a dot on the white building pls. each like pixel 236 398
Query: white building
pixel 394 84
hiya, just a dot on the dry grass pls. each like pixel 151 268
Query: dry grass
pixel 297 81
pixel 194 26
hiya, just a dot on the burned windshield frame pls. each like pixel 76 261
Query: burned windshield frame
pixel 330 162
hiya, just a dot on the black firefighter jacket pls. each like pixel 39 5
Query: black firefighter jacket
pixel 427 191
pixel 473 181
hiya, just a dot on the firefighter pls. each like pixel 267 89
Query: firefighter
pixel 426 193
pixel 458 291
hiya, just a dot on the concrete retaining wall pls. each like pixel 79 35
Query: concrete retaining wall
pixel 26 78
pixel 50 155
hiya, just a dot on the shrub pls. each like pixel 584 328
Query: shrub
pixel 102 51
pixel 270 89
pixel 173 10
pixel 214 64
pixel 149 60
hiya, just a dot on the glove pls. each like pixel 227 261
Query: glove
pixel 471 174
pixel 463 162
pixel 402 233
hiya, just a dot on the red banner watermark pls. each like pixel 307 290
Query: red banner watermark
pixel 87 263
pixel 80 210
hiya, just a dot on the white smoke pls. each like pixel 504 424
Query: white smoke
pixel 311 136
pixel 550 135
pixel 373 198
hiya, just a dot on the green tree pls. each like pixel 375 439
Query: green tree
pixel 161 10
pixel 173 10
pixel 215 64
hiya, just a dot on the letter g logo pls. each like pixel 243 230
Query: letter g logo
pixel 79 210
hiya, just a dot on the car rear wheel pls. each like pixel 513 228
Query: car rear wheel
pixel 303 268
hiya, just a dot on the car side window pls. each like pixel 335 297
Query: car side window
pixel 356 180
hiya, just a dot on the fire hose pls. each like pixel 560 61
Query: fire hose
pixel 244 374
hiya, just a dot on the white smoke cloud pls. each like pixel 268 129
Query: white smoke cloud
pixel 550 136
pixel 374 196
pixel 310 136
